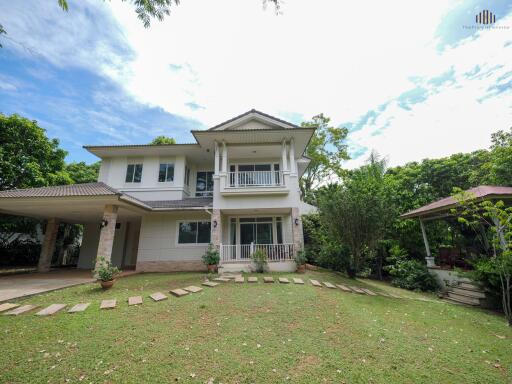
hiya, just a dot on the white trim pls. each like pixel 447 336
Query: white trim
pixel 177 238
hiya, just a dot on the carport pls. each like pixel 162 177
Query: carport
pixel 111 219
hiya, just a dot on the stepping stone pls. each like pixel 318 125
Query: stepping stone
pixel 329 285
pixel 284 280
pixel 368 292
pixel 193 289
pixel 298 281
pixel 344 288
pixel 268 279
pixel 210 284
pixel 179 292
pixel 79 307
pixel 252 279
pixel 395 296
pixel 223 279
pixel 229 276
pixel 135 300
pixel 239 279
pixel 51 309
pixel 316 283
pixel 108 304
pixel 357 290
pixel 158 296
pixel 6 306
pixel 19 310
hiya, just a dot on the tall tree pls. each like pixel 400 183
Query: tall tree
pixel 163 140
pixel 326 150
pixel 80 172
pixel 27 157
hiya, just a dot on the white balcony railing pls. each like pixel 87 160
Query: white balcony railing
pixel 244 252
pixel 244 179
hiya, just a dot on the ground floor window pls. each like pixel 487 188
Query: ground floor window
pixel 257 230
pixel 194 232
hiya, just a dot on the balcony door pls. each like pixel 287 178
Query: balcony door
pixel 256 230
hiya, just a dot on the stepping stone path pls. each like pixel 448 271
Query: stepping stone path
pixel 179 292
pixel 193 289
pixel 239 279
pixel 108 304
pixel 344 288
pixel 252 279
pixel 51 309
pixel 223 279
pixel 357 290
pixel 135 300
pixel 316 283
pixel 6 306
pixel 158 296
pixel 79 307
pixel 395 296
pixel 329 285
pixel 298 281
pixel 19 310
pixel 210 284
pixel 368 292
pixel 284 280
pixel 268 279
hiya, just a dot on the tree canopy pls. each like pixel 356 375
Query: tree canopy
pixel 159 140
pixel 80 172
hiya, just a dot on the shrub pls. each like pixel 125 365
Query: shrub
pixel 300 257
pixel 410 274
pixel 260 258
pixel 105 270
pixel 211 256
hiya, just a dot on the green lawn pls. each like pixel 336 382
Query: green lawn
pixel 254 333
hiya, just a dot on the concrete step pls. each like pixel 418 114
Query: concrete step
pixel 469 286
pixel 468 292
pixel 463 299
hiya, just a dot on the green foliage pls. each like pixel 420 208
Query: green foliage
pixel 260 258
pixel 105 270
pixel 27 157
pixel 159 140
pixel 80 172
pixel 300 257
pixel 211 256
pixel 326 149
pixel 409 274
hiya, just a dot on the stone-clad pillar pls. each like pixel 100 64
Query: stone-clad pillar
pixel 107 232
pixel 48 247
pixel 216 229
pixel 297 233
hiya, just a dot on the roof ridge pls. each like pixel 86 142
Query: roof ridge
pixel 253 110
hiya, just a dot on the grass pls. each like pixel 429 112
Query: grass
pixel 254 333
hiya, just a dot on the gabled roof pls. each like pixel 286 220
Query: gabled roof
pixel 253 113
pixel 482 192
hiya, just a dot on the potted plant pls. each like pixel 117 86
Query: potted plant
pixel 260 258
pixel 300 260
pixel 106 273
pixel 211 258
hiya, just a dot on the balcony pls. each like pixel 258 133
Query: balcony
pixel 254 182
pixel 237 253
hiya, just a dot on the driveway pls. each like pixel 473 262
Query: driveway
pixel 15 286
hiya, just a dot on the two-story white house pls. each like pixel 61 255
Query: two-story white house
pixel 157 207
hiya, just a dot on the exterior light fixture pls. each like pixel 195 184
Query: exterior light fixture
pixel 214 223
pixel 296 221
pixel 104 223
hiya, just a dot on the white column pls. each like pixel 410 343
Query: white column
pixel 284 154
pixel 217 158
pixel 224 157
pixel 429 258
pixel 293 163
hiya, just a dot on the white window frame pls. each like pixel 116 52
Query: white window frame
pixel 166 170
pixel 179 222
pixel 134 163
pixel 274 226
pixel 213 185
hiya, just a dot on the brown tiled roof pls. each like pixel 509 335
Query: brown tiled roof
pixel 248 113
pixel 197 202
pixel 481 192
pixel 88 189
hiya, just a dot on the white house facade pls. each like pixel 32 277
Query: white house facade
pixel 158 207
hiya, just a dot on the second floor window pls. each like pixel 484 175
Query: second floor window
pixel 166 173
pixel 204 184
pixel 133 173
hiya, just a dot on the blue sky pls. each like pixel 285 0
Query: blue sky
pixel 410 81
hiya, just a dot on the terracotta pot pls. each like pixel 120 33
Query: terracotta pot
pixel 212 268
pixel 301 268
pixel 107 284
